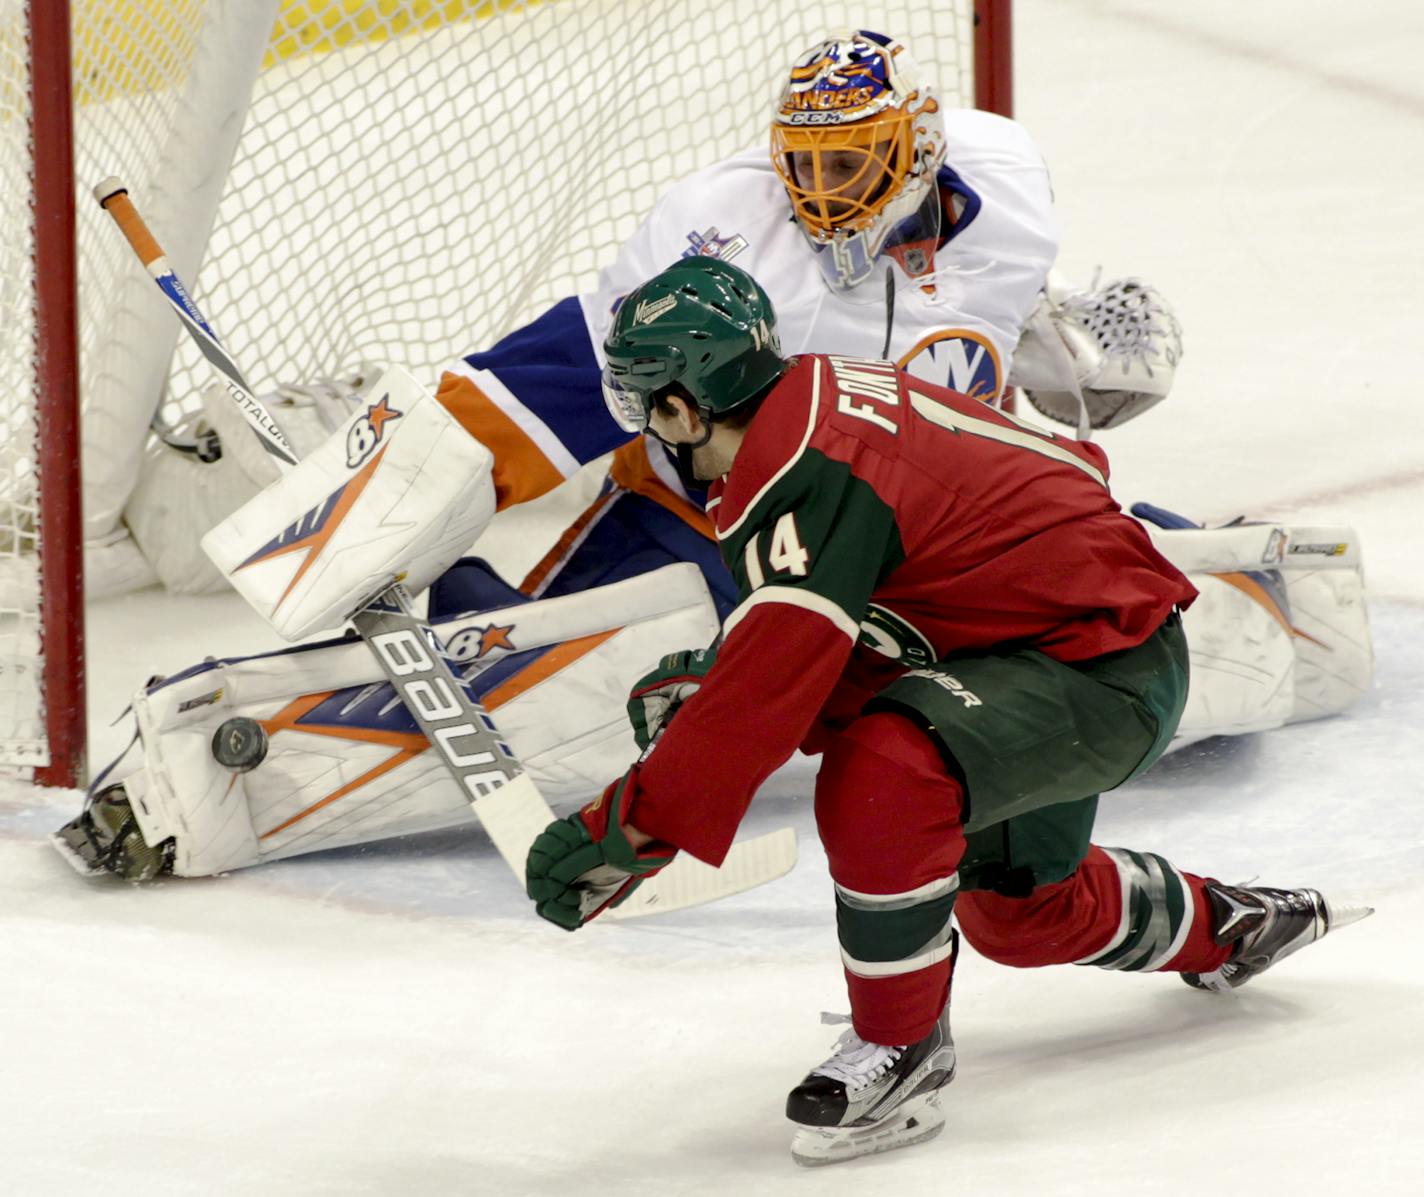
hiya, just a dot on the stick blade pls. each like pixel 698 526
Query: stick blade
pixel 512 817
pixel 1346 913
pixel 688 882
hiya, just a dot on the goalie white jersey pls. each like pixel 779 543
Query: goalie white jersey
pixel 534 400
pixel 956 325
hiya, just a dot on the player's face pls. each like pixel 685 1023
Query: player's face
pixel 676 422
pixel 842 171
pixel 840 176
pixel 844 174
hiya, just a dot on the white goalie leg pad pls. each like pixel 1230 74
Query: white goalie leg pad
pixel 1334 653
pixel 400 491
pixel 346 765
pixel 176 500
pixel 1242 661
pixel 1257 546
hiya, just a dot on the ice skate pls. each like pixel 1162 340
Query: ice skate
pixel 1266 925
pixel 104 838
pixel 869 1097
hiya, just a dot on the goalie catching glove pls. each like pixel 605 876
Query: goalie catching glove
pixel 656 695
pixel 581 865
pixel 1100 357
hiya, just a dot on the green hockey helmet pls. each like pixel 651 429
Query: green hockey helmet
pixel 701 324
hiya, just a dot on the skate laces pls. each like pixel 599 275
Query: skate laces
pixel 855 1062
pixel 1125 317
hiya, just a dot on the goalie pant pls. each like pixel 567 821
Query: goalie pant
pixel 345 763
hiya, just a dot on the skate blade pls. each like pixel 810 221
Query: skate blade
pixel 916 1121
pixel 1343 916
pixel 73 850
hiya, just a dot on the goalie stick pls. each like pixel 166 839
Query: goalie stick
pixel 503 797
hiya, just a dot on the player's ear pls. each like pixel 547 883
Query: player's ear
pixel 691 418
pixel 678 406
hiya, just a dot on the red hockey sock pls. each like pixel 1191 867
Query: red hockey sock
pixel 888 813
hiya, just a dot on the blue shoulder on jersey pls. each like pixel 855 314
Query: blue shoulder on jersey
pixel 549 366
pixel 949 181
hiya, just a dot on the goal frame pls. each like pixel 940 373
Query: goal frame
pixel 61 551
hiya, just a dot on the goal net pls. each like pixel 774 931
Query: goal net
pixel 353 181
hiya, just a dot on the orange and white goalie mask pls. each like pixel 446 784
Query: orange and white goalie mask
pixel 857 140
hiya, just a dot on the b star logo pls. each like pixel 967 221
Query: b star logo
pixel 366 432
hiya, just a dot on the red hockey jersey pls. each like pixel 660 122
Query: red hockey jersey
pixel 875 522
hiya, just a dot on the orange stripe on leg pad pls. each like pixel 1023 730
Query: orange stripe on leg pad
pixel 561 656
pixel 406 744
pixel 1253 589
pixel 411 744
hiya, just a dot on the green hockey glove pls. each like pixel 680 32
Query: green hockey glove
pixel 581 865
pixel 656 696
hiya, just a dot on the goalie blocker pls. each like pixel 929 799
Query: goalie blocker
pixel 395 494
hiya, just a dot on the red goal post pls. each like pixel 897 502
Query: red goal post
pixel 42 692
pixel 502 148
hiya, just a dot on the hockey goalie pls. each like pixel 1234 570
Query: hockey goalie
pixel 882 226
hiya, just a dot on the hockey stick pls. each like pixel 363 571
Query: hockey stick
pixel 503 797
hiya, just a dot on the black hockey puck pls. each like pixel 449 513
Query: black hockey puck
pixel 240 744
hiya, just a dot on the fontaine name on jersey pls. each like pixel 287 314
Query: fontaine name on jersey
pixel 875 522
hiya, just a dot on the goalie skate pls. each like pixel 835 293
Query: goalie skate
pixel 1266 925
pixel 105 838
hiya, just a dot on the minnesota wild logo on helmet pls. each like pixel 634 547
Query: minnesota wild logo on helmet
pixel 701 324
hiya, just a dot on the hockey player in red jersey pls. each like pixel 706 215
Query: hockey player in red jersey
pixel 947 606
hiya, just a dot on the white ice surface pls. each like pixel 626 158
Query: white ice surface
pixel 395 1020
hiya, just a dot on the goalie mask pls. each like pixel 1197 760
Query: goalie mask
pixel 701 324
pixel 857 141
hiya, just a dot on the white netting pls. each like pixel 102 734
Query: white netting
pixel 417 197
pixel 413 178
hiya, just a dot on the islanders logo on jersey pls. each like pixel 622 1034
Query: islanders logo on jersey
pixel 958 358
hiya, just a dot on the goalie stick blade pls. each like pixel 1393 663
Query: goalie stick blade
pixel 1256 546
pixel 689 882
pixel 512 817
